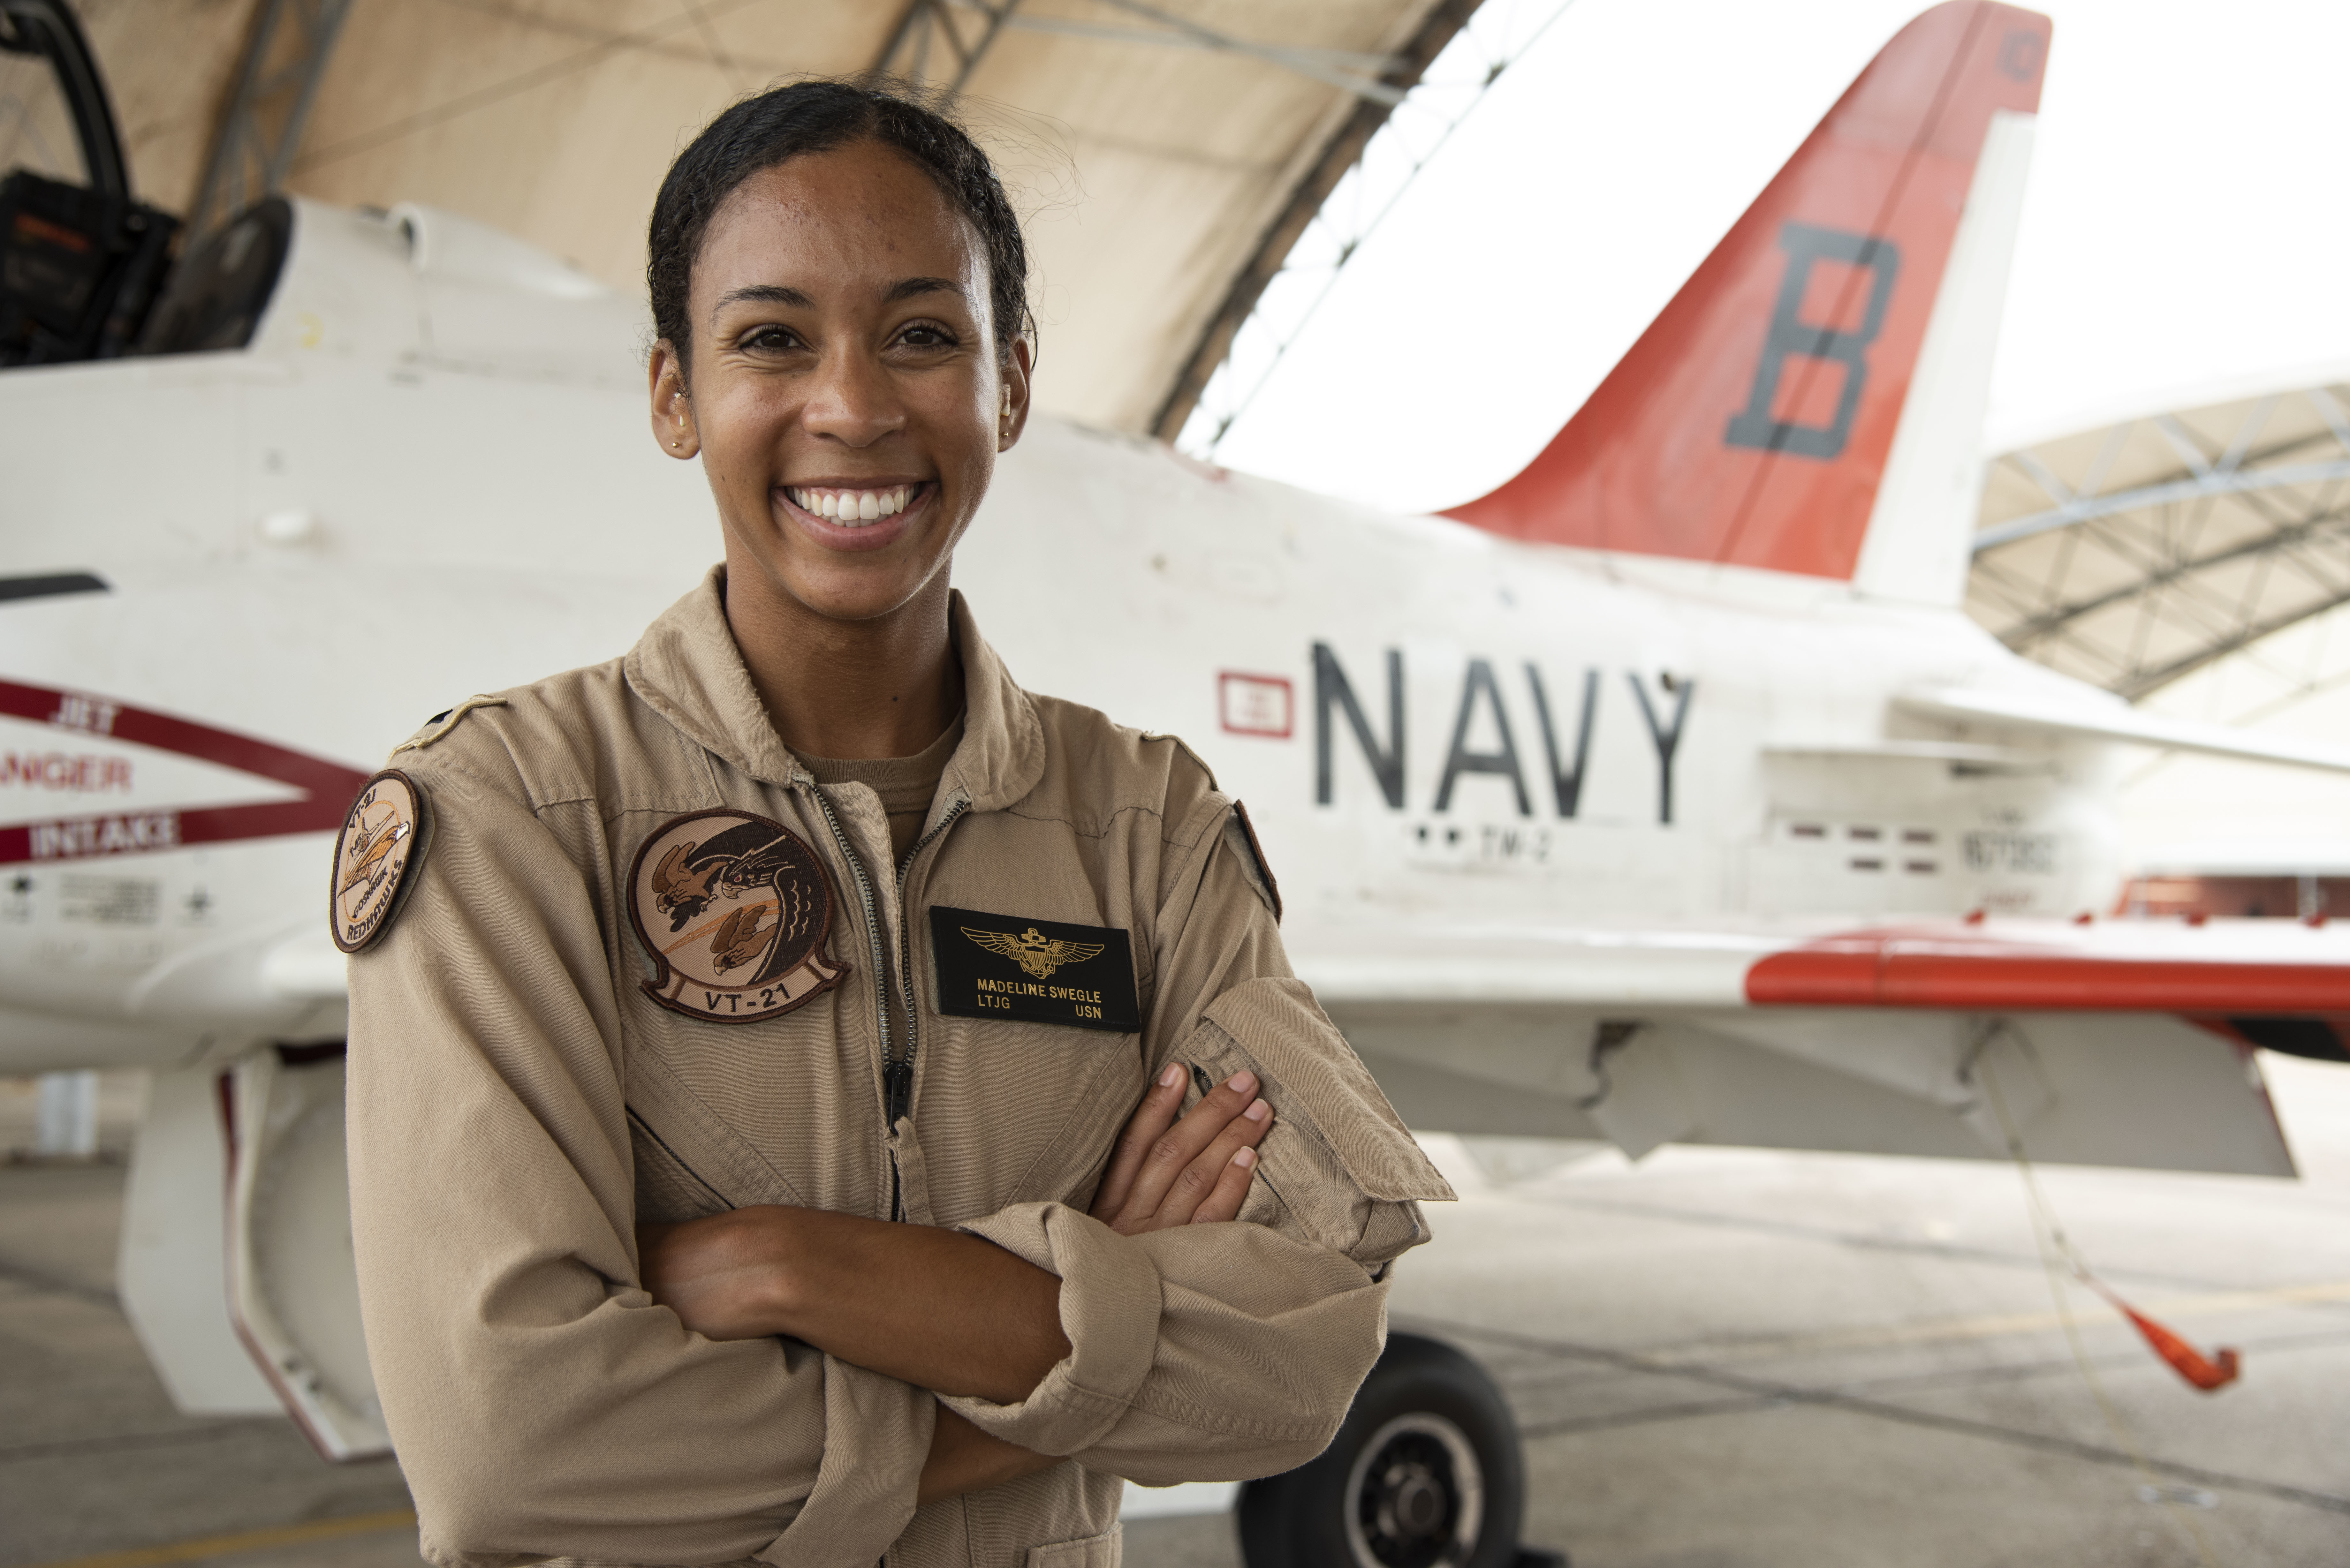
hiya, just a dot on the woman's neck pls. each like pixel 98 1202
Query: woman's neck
pixel 848 689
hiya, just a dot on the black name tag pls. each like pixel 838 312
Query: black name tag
pixel 1033 971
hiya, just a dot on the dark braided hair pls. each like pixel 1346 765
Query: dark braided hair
pixel 822 115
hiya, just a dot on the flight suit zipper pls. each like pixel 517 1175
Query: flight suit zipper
pixel 897 1070
pixel 901 1085
pixel 880 955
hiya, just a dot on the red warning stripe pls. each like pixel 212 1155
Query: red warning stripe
pixel 328 786
pixel 1895 969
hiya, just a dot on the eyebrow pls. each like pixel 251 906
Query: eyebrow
pixel 779 293
pixel 764 294
pixel 911 287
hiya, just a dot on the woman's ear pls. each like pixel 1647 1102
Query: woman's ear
pixel 673 410
pixel 1011 416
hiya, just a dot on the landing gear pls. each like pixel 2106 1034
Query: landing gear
pixel 1425 1473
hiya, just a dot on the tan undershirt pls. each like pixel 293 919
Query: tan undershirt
pixel 907 785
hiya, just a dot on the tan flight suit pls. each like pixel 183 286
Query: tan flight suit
pixel 518 1103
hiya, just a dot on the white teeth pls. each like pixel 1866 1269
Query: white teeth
pixel 852 508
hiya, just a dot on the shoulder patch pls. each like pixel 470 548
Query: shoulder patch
pixel 382 842
pixel 1241 833
pixel 441 723
pixel 735 912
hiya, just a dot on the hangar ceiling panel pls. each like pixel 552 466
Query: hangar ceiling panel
pixel 2135 552
pixel 1152 146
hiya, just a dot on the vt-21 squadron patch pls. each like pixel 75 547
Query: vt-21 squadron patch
pixel 734 910
pixel 376 855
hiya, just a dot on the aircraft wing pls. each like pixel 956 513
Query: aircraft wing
pixel 2226 967
pixel 2116 1042
pixel 2120 722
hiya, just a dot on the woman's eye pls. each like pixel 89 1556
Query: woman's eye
pixel 771 339
pixel 926 338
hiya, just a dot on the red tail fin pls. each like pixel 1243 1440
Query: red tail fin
pixel 1750 422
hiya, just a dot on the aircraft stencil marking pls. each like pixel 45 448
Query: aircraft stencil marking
pixel 83 773
pixel 1255 704
pixel 328 786
pixel 1480 688
pixel 1760 425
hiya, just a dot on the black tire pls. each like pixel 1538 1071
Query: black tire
pixel 1425 1472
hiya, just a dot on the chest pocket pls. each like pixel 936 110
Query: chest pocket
pixel 1338 1170
pixel 1094 1551
pixel 669 1190
pixel 689 1162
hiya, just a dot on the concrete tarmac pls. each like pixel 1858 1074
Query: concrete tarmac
pixel 1721 1359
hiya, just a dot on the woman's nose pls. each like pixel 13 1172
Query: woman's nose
pixel 853 400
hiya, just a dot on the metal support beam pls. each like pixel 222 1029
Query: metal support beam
pixel 1316 65
pixel 1443 20
pixel 1365 68
pixel 276 82
pixel 2238 528
pixel 2141 682
pixel 960 46
pixel 2211 482
pixel 2330 528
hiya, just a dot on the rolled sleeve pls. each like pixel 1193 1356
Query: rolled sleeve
pixel 1201 1352
pixel 1110 1307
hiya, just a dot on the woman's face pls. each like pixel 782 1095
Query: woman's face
pixel 845 397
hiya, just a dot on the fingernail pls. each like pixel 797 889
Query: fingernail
pixel 1245 1158
pixel 1242 1083
pixel 1258 1112
pixel 1172 1077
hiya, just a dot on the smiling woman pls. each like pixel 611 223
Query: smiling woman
pixel 819 1100
pixel 844 342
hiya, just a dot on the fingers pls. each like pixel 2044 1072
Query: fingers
pixel 1149 1122
pixel 1231 1189
pixel 1218 1173
pixel 1170 1159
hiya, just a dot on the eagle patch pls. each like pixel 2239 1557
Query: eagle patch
pixel 1016 970
pixel 735 912
pixel 376 855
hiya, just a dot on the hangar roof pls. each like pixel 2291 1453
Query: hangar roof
pixel 2144 548
pixel 1165 152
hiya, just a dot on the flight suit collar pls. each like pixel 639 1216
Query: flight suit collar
pixel 688 668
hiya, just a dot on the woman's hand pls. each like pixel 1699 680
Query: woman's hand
pixel 1193 1171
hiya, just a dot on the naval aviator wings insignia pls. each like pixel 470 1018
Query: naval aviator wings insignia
pixel 1032 952
pixel 1015 969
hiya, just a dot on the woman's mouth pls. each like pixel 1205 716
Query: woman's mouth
pixel 853 508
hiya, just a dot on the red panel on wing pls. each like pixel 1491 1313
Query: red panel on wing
pixel 1750 422
pixel 1910 969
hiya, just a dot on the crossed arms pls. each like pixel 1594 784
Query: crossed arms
pixel 938 1309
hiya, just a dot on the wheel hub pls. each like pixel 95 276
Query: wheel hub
pixel 1416 1495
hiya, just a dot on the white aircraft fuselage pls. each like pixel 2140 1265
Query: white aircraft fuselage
pixel 320 542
